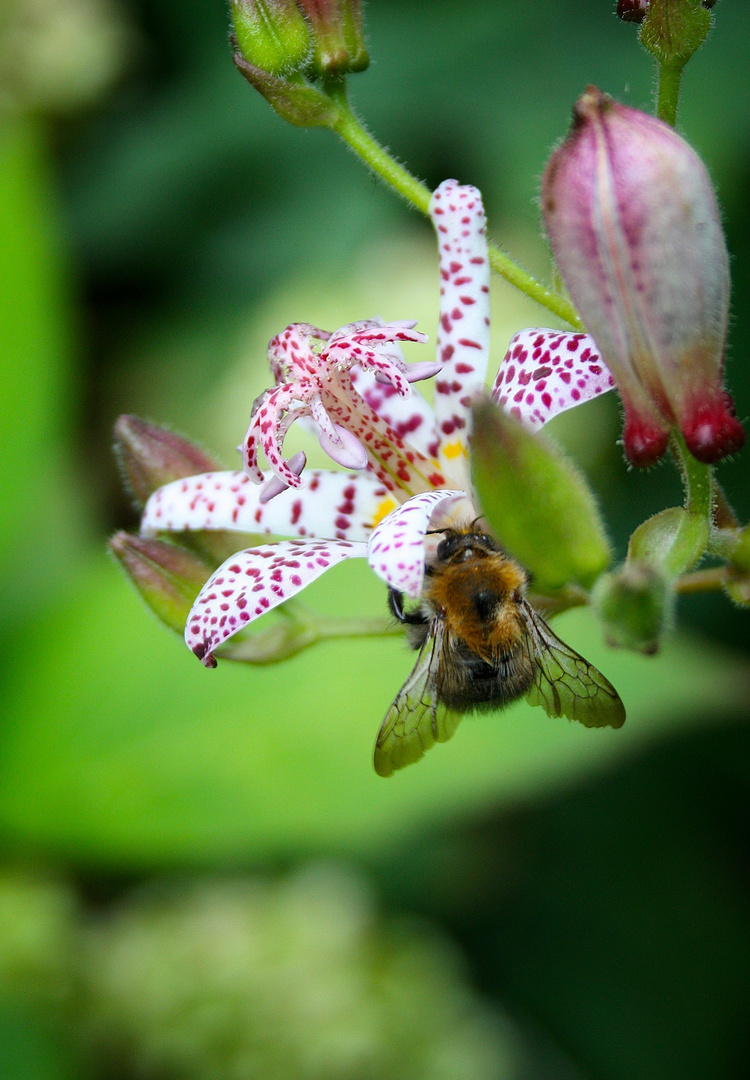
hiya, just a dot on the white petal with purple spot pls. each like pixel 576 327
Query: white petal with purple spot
pixel 396 551
pixel 255 581
pixel 546 372
pixel 333 504
pixel 464 335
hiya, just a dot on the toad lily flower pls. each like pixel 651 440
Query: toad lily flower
pixel 410 458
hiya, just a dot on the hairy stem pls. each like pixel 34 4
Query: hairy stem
pixel 377 158
pixel 668 91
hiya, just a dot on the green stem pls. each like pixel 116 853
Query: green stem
pixel 301 630
pixel 377 158
pixel 570 596
pixel 691 540
pixel 668 90
pixel 703 580
pixel 696 478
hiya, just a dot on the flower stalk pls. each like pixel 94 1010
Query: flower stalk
pixel 377 158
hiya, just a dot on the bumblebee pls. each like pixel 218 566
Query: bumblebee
pixel 481 646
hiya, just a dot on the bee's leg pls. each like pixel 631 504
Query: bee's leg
pixel 396 605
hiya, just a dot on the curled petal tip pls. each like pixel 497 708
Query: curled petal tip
pixel 424 370
pixel 275 485
pixel 348 451
pixel 412 373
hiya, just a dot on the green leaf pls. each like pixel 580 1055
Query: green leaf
pixel 635 604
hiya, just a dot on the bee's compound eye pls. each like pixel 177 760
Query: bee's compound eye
pixel 447 547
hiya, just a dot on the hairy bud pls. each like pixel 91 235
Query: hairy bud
pixel 636 234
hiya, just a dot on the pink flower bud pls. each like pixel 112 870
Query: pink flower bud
pixel 150 456
pixel 635 231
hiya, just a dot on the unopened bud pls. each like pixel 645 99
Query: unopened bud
pixel 739 556
pixel 635 605
pixel 737 583
pixel 294 99
pixel 271 34
pixel 674 540
pixel 674 29
pixel 167 576
pixel 632 10
pixel 283 47
pixel 338 37
pixel 150 456
pixel 539 506
pixel 636 234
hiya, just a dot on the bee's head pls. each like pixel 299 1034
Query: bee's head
pixel 461 544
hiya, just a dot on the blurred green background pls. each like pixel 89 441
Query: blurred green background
pixel 201 874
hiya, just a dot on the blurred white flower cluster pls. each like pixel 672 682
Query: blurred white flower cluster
pixel 249 978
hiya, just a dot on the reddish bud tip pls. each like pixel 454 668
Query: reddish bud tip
pixel 632 10
pixel 338 36
pixel 644 444
pixel 712 431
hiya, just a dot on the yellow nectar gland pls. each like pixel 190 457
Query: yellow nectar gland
pixel 386 507
pixel 454 450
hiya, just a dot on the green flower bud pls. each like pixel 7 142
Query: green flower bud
pixel 538 504
pixel 737 586
pixel 150 456
pixel 271 34
pixel 168 577
pixel 673 539
pixel 674 29
pixel 339 43
pixel 739 556
pixel 283 47
pixel 295 100
pixel 738 590
pixel 635 604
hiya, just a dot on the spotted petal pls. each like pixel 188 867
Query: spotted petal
pixel 397 549
pixel 546 372
pixel 334 504
pixel 255 581
pixel 412 418
pixel 464 336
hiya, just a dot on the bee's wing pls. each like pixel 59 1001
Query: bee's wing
pixel 416 720
pixel 564 683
